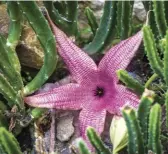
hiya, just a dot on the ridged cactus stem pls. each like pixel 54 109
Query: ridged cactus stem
pixel 47 40
pixel 96 141
pixel 37 112
pixel 154 143
pixel 151 79
pixel 143 116
pixel 166 10
pixel 67 23
pixel 130 82
pixel 151 50
pixel 7 68
pixel 126 13
pixel 166 103
pixel 3 120
pixel 15 28
pixel 7 91
pixel 91 20
pixel 159 12
pixel 165 62
pixel 8 143
pixel 83 148
pixel 106 30
pixel 135 141
pixel 119 12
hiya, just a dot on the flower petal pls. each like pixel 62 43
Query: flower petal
pixel 78 62
pixel 119 56
pixel 122 97
pixel 93 118
pixel 69 96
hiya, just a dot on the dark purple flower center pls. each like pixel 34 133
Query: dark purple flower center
pixel 99 91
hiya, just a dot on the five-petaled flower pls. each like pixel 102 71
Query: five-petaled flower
pixel 96 89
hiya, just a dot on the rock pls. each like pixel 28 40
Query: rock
pixel 29 50
pixel 139 10
pixel 65 128
pixel 4 20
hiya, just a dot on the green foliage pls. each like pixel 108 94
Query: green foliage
pixel 65 20
pixel 151 50
pixel 47 40
pixel 15 29
pixel 10 79
pixel 144 136
pixel 8 143
pixel 142 117
pixel 106 29
pixel 6 66
pixel 130 82
pixel 91 19
pixel 3 120
pixel 83 148
pixel 154 143
pixel 37 112
pixel 159 12
pixel 96 142
pixel 124 16
pixel 7 90
pixel 165 70
pixel 166 103
pixel 135 140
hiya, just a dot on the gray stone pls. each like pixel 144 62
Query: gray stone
pixel 139 10
pixel 65 128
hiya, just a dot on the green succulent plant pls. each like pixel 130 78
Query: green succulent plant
pixel 8 143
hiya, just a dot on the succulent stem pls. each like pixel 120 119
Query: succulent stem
pixel 105 32
pixel 47 40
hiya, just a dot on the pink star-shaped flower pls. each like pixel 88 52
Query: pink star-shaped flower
pixel 96 89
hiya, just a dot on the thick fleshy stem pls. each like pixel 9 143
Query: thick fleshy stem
pixel 165 62
pixel 159 12
pixel 150 80
pixel 151 17
pixel 37 112
pixel 143 116
pixel 96 141
pixel 130 82
pixel 47 40
pixel 3 120
pixel 154 143
pixel 134 85
pixel 166 10
pixel 166 104
pixel 15 29
pixel 7 91
pixel 8 143
pixel 83 148
pixel 7 68
pixel 151 50
pixel 91 20
pixel 67 21
pixel 124 16
pixel 106 30
pixel 135 140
